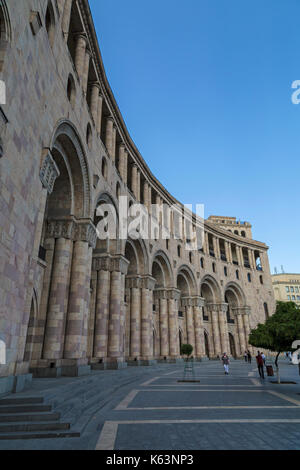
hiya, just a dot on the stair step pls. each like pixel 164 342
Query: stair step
pixel 39 435
pixel 24 408
pixel 24 417
pixel 21 401
pixel 33 427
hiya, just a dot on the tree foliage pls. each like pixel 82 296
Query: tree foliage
pixel 280 330
pixel 186 349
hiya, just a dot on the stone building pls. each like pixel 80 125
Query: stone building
pixel 286 287
pixel 69 301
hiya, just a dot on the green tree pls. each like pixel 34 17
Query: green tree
pixel 186 350
pixel 279 331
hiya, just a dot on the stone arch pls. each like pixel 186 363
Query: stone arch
pixel 5 32
pixel 32 325
pixel 137 255
pixel 186 281
pixel 106 209
pixel 67 143
pixel 161 270
pixel 234 294
pixel 210 290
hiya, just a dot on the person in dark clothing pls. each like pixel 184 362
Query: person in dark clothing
pixel 260 365
pixel 246 356
pixel 249 357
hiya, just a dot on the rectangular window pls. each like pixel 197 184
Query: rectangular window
pixel 293 297
pixel 289 297
pixel 287 289
pixel 296 290
pixel 292 289
pixel 298 297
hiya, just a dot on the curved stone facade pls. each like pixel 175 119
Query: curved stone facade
pixel 68 300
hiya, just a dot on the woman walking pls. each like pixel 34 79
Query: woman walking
pixel 225 360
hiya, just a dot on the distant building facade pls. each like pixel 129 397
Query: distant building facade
pixel 287 287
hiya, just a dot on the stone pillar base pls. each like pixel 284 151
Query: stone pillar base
pixel 60 368
pixel 141 362
pixel 14 384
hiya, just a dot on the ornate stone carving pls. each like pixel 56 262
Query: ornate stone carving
pixel 86 232
pixel 110 263
pixel 61 229
pixel 49 172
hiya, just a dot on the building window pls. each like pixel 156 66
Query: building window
pixel 261 279
pixel 298 297
pixel 243 234
pixel 202 263
pixel 292 290
pixel 179 251
pixel 191 257
pixel 296 290
pixel 50 23
pixel 225 270
pixel 293 297
pixel 249 277
pixel 104 168
pixel 214 267
pixel 287 289
pixel 71 90
pixel 289 297
pixel 237 274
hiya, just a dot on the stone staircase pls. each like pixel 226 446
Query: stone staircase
pixel 31 418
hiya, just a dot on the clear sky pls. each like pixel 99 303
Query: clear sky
pixel 204 87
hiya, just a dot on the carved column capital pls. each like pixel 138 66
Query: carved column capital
pixel 49 171
pixel 111 263
pixel 61 228
pixel 245 310
pixel 86 231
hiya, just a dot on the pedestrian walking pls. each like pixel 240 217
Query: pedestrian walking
pixel 260 365
pixel 246 356
pixel 225 360
pixel 264 358
pixel 249 356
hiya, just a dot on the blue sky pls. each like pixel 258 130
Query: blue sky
pixel 204 87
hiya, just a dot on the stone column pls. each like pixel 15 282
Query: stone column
pixel 173 296
pixel 99 117
pixel 114 143
pixel 148 284
pixel 228 252
pixel 86 70
pixel 76 326
pixel 121 168
pixel 224 334
pixel 95 88
pixel 135 318
pixel 239 255
pixel 134 180
pixel 102 313
pixel 58 295
pixel 215 328
pixel 109 135
pixel 146 195
pixel 80 50
pixel 240 328
pixel 65 24
pixel 246 315
pixel 187 304
pixel 199 329
pixel 161 294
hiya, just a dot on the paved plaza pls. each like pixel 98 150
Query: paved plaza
pixel 142 408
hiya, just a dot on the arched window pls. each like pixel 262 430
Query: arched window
pixel 261 279
pixel 236 232
pixel 249 277
pixel 50 23
pixel 89 136
pixel 167 244
pixel 237 274
pixel 214 267
pixel 104 169
pixel 179 251
pixel 191 257
pixel 71 90
pixel 202 263
pixel 243 234
pixel 266 310
pixel 225 271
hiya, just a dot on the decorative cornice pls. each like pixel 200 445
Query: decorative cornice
pixel 49 171
pixel 246 310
